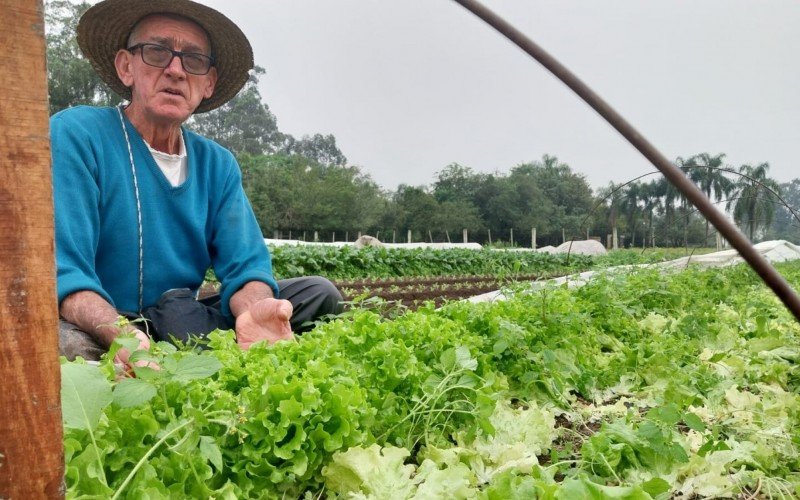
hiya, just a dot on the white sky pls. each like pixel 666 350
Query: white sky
pixel 409 86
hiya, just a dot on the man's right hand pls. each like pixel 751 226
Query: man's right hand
pixel 123 355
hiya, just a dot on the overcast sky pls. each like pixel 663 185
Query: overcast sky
pixel 409 86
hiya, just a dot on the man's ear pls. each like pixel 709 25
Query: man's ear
pixel 211 82
pixel 124 62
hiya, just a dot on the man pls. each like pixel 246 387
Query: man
pixel 144 207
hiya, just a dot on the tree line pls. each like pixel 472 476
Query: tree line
pixel 305 185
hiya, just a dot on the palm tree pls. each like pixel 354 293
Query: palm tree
pixel 754 203
pixel 707 173
pixel 630 206
pixel 651 194
pixel 611 194
pixel 677 195
pixel 669 195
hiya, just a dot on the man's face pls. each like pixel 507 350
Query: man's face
pixel 166 95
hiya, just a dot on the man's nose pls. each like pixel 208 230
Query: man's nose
pixel 175 66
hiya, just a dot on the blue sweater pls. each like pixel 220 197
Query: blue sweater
pixel 206 221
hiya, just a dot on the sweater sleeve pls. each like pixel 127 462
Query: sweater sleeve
pixel 76 205
pixel 238 252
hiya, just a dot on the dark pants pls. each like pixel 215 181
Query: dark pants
pixel 177 315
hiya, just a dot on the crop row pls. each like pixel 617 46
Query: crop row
pixel 412 293
pixel 352 263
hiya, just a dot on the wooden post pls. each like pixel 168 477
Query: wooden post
pixel 563 235
pixel 333 236
pixel 533 238
pixel 512 237
pixel 430 236
pixel 409 236
pixel 447 233
pixel 464 233
pixel 304 236
pixel 316 236
pixel 719 242
pixel 614 238
pixel 394 235
pixel 490 235
pixel 347 236
pixel 290 234
pixel 31 436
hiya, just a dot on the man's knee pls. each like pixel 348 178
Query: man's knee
pixel 312 298
pixel 329 297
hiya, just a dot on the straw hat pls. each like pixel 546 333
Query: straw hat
pixel 105 27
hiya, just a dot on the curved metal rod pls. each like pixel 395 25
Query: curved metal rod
pixel 726 228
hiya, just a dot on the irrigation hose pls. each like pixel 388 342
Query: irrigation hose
pixel 727 229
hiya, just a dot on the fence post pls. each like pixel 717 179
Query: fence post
pixel 563 235
pixel 464 233
pixel 489 231
pixel 333 236
pixel 31 435
pixel 409 236
pixel 533 238
pixel 448 235
pixel 394 236
pixel 614 239
pixel 512 237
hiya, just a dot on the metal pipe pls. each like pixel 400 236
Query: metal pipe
pixel 728 230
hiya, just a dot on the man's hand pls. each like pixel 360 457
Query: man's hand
pixel 266 319
pixel 95 316
pixel 144 343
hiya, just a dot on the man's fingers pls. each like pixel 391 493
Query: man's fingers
pixel 267 309
pixel 284 310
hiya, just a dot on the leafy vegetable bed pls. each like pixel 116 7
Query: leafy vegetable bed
pixel 636 386
pixel 352 263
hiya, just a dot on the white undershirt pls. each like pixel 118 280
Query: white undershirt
pixel 173 166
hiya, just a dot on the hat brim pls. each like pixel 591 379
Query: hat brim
pixel 105 27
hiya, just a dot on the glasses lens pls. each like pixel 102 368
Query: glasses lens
pixel 196 63
pixel 156 55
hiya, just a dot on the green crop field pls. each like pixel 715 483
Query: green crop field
pixel 635 386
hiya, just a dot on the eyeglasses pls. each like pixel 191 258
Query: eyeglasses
pixel 161 57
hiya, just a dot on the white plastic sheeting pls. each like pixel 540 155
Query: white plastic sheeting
pixel 773 251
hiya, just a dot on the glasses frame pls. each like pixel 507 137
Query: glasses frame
pixel 175 53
